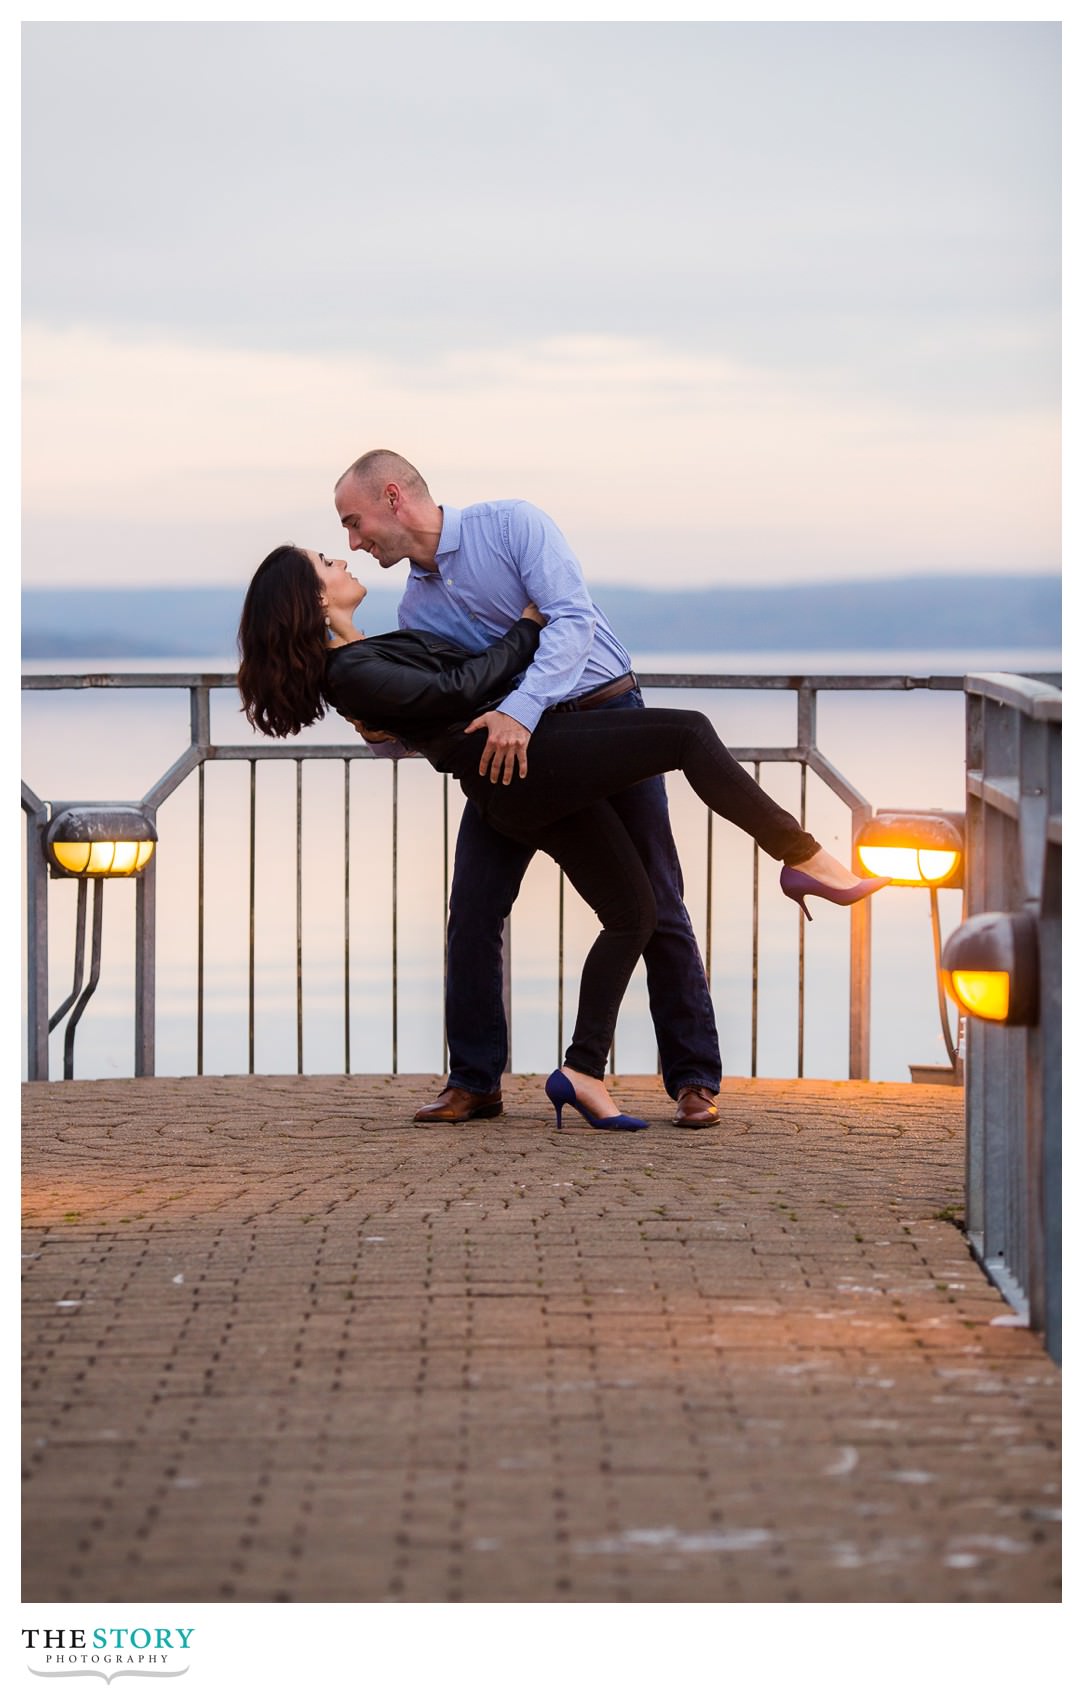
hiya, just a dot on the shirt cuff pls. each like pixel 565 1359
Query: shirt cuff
pixel 523 708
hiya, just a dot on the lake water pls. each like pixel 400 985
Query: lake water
pixel 899 749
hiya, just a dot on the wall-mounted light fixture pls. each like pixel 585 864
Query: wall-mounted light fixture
pixel 86 842
pixel 990 968
pixel 920 848
pixel 913 849
pixel 91 843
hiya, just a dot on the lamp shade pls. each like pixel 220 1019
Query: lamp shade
pixel 109 842
pixel 990 968
pixel 912 848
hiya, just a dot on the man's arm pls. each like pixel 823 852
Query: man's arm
pixel 553 578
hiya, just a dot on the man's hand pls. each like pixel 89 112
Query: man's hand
pixel 505 748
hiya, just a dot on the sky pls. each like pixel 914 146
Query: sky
pixel 735 303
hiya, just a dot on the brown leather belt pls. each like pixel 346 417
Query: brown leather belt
pixel 604 693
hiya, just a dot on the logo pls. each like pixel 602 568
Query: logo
pixel 108 1652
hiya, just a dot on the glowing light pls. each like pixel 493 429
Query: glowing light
pixel 73 857
pixel 909 864
pixel 113 857
pixel 985 992
pixel 912 848
pixel 937 865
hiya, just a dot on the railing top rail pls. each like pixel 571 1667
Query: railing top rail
pixel 705 681
pixel 1039 698
pixel 805 681
pixel 125 681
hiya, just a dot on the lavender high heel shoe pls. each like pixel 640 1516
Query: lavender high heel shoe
pixel 560 1091
pixel 799 886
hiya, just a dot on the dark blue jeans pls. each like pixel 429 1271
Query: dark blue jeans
pixel 489 870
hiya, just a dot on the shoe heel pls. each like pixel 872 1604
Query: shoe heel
pixel 805 908
pixel 559 1108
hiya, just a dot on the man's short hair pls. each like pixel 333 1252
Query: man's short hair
pixel 384 466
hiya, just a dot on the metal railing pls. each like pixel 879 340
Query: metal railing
pixel 1013 1074
pixel 803 750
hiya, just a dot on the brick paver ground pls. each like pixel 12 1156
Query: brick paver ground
pixel 283 1345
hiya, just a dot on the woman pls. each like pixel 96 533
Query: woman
pixel 300 652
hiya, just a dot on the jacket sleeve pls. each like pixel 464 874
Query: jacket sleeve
pixel 394 686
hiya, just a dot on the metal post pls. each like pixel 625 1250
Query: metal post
pixel 80 957
pixel 801 945
pixel 1049 1064
pixel 505 951
pixel 145 917
pixel 201 873
pixel 941 998
pixel 95 968
pixel 37 942
pixel 346 916
pixel 444 1055
pixel 860 967
pixel 560 966
pixel 394 917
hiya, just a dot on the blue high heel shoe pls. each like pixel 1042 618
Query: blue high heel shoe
pixel 560 1091
pixel 799 886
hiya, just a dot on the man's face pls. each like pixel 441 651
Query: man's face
pixel 370 516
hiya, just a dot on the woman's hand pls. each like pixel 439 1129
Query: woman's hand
pixel 533 612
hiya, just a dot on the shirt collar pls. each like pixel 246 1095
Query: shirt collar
pixel 450 533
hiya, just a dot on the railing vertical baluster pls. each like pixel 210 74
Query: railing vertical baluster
pixel 201 818
pixel 394 917
pixel 754 1049
pixel 560 965
pixel 299 765
pixel 447 901
pixel 252 916
pixel 860 965
pixel 87 991
pixel 801 949
pixel 346 913
pixel 710 894
pixel 37 939
pixel 505 957
pixel 145 938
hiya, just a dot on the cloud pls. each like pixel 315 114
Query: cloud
pixel 644 453
pixel 874 196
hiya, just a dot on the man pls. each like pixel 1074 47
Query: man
pixel 471 572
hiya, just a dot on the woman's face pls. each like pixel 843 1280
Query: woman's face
pixel 341 591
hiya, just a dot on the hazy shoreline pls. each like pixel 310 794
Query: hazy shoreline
pixel 982 611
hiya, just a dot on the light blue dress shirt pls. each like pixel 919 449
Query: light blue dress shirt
pixel 492 559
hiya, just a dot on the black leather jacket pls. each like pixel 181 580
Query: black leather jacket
pixel 424 688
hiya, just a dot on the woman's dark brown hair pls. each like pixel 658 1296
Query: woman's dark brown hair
pixel 282 639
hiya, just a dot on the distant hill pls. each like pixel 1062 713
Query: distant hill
pixel 975 611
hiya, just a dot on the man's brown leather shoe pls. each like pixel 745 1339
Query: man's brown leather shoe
pixel 695 1107
pixel 455 1104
